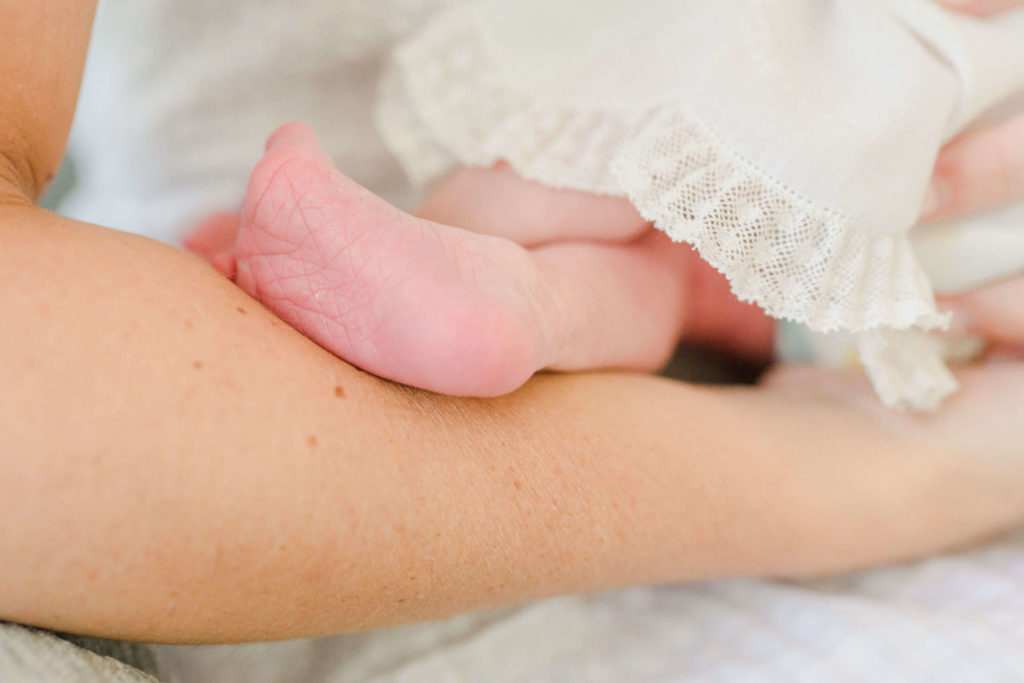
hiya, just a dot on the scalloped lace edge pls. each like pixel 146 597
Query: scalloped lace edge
pixel 444 101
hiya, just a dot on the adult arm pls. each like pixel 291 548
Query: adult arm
pixel 179 465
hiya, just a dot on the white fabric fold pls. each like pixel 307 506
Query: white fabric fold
pixel 789 141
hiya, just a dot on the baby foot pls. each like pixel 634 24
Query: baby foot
pixel 408 300
pixel 439 307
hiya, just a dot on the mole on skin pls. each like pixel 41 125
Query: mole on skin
pixel 241 310
pixel 339 391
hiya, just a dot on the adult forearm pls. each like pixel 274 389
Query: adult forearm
pixel 180 465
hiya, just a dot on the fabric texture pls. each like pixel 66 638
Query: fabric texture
pixel 30 655
pixel 762 132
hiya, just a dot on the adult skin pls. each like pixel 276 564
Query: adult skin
pixel 983 8
pixel 980 169
pixel 180 466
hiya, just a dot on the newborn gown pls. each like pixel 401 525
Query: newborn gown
pixel 789 141
pixel 180 95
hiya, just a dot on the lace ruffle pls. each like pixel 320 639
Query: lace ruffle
pixel 446 100
pixel 907 368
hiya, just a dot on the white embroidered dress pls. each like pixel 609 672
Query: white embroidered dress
pixel 790 141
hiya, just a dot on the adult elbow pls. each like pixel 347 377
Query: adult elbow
pixel 24 173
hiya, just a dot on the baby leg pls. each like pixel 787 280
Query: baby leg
pixel 438 307
pixel 499 202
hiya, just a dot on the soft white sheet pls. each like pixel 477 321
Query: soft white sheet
pixel 31 656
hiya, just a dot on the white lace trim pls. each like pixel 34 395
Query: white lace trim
pixel 445 100
pixel 907 368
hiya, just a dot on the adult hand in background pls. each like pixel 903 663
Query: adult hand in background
pixel 995 313
pixel 977 420
pixel 980 169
